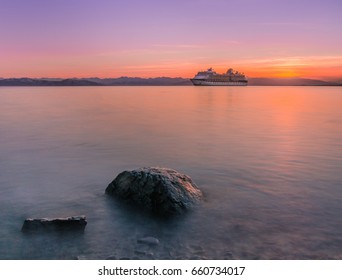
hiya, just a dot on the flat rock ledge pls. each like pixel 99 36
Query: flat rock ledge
pixel 162 191
pixel 74 223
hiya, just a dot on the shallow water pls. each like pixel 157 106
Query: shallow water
pixel 267 158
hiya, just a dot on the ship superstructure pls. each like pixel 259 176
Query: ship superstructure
pixel 211 78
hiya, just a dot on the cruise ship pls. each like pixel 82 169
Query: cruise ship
pixel 211 78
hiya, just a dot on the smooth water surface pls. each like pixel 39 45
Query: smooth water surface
pixel 268 159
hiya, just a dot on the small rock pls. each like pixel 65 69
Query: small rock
pixel 228 255
pixel 149 240
pixel 142 252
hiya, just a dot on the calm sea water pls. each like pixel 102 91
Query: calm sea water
pixel 269 160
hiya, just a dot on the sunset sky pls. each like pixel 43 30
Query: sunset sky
pixel 175 38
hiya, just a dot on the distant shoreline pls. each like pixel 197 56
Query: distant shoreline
pixel 161 81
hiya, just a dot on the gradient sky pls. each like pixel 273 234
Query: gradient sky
pixel 151 38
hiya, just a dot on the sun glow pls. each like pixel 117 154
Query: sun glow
pixel 292 67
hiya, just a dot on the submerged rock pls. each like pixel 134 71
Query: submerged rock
pixel 57 224
pixel 160 190
pixel 149 240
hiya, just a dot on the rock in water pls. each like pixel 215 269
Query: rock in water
pixel 57 224
pixel 160 190
pixel 149 240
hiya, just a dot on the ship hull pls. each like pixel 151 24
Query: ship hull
pixel 216 83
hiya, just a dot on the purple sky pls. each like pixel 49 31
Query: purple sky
pixel 81 38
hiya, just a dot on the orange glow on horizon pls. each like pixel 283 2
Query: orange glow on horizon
pixel 295 67
pixel 267 68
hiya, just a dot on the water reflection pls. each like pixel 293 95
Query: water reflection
pixel 267 159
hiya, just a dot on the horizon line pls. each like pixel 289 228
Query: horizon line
pixel 328 79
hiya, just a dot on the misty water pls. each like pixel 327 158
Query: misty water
pixel 268 159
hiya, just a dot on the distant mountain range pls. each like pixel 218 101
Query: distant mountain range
pixel 122 81
pixel 161 81
pixel 45 82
